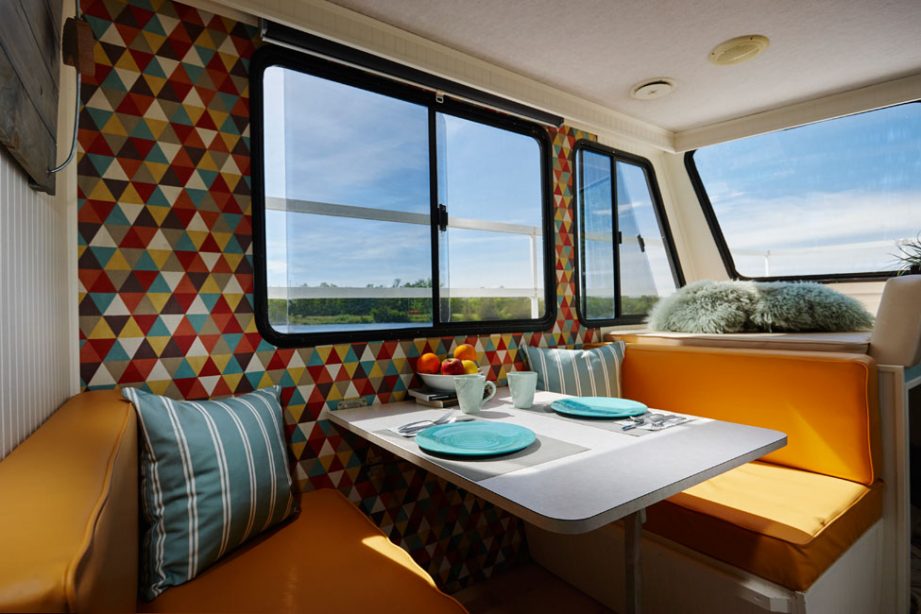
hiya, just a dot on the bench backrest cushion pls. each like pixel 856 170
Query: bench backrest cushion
pixel 825 402
pixel 584 372
pixel 214 474
pixel 68 511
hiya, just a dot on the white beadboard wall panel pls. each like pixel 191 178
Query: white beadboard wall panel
pixel 35 353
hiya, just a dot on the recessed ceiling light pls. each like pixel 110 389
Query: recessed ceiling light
pixel 654 88
pixel 739 49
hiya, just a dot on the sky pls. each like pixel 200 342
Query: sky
pixel 332 143
pixel 832 197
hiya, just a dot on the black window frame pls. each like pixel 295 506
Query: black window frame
pixel 616 155
pixel 269 56
pixel 723 246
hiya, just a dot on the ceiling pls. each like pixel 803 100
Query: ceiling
pixel 599 49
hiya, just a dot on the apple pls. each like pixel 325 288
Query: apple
pixel 452 366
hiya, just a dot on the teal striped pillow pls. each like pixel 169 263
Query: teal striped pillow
pixel 213 475
pixel 581 373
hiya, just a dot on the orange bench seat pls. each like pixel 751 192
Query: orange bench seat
pixel 784 525
pixel 69 536
pixel 331 558
pixel 789 517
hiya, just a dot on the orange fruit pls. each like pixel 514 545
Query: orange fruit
pixel 428 363
pixel 465 352
pixel 470 367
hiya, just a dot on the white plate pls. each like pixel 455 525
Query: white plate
pixel 443 382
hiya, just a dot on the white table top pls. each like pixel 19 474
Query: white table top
pixel 609 476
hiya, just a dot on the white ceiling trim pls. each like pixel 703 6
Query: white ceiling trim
pixel 877 96
pixel 367 34
pixel 216 7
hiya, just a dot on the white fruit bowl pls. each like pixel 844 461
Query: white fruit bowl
pixel 445 383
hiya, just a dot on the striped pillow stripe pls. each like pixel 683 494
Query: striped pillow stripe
pixel 581 373
pixel 213 475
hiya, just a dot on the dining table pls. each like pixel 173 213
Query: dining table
pixel 578 474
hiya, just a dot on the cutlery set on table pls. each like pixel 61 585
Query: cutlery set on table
pixel 410 429
pixel 481 438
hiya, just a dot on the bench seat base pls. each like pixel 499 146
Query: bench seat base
pixel 331 558
pixel 678 579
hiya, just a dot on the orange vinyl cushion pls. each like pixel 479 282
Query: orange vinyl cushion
pixel 850 343
pixel 68 511
pixel 331 558
pixel 782 524
pixel 825 402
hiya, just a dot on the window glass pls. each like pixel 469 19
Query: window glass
pixel 347 222
pixel 489 180
pixel 832 198
pixel 595 215
pixel 352 172
pixel 620 280
pixel 645 270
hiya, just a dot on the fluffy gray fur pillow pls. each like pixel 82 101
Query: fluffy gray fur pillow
pixel 745 306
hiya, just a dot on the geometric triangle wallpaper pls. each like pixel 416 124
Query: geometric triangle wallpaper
pixel 166 277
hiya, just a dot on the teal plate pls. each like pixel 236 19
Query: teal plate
pixel 475 439
pixel 598 407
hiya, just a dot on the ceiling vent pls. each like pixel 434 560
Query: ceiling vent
pixel 739 49
pixel 652 89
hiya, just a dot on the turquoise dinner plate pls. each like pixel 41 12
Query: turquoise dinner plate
pixel 475 439
pixel 598 407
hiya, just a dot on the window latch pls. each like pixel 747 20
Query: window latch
pixel 642 242
pixel 620 238
pixel 442 217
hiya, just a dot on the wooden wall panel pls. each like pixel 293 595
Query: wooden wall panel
pixel 29 71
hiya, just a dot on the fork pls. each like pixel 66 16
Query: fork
pixel 422 427
pixel 411 426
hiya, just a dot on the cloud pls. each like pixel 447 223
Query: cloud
pixel 820 218
pixel 825 232
pixel 348 252
pixel 340 142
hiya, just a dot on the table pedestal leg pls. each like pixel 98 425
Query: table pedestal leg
pixel 633 530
